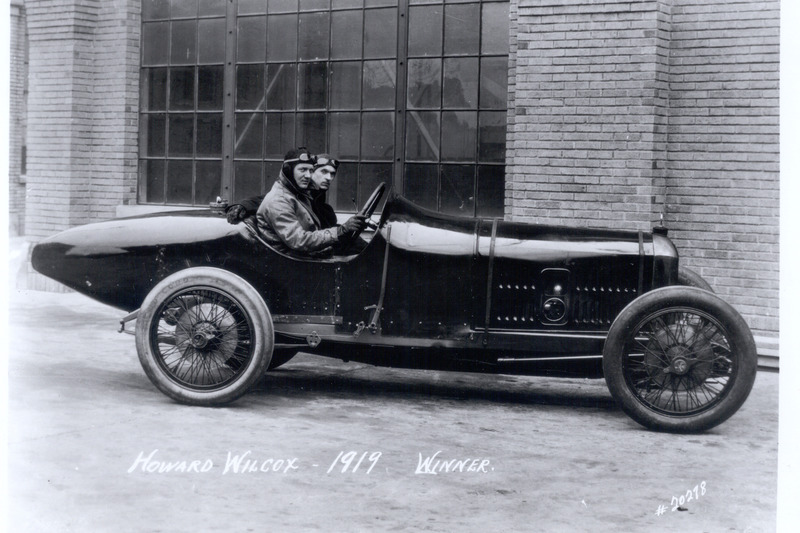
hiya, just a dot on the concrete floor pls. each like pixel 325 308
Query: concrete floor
pixel 552 454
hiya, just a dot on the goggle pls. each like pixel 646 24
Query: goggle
pixel 324 161
pixel 303 158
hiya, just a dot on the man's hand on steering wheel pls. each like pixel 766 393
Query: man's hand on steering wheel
pixel 356 224
pixel 352 227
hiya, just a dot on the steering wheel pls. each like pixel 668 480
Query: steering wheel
pixel 371 205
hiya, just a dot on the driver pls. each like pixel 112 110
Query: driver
pixel 286 216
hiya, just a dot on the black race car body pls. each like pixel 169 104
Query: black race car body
pixel 428 290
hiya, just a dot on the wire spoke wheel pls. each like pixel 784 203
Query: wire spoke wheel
pixel 679 359
pixel 204 336
pixel 679 362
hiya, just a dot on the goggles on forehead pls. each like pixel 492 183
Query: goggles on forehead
pixel 323 161
pixel 303 158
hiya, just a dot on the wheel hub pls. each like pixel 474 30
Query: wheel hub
pixel 208 330
pixel 680 366
pixel 203 334
pixel 679 350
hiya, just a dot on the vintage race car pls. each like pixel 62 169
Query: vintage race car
pixel 215 306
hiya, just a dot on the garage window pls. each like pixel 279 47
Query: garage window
pixel 412 93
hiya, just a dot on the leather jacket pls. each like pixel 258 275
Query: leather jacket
pixel 287 221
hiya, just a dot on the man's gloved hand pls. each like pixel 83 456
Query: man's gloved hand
pixel 352 227
pixel 236 213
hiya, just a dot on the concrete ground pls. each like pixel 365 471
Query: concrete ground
pixel 89 433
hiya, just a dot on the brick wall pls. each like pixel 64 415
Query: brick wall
pixel 722 196
pixel 18 87
pixel 588 135
pixel 82 111
pixel 626 110
pixel 116 99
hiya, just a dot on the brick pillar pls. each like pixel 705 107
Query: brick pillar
pixel 587 136
pixel 59 112
pixel 82 111
pixel 18 95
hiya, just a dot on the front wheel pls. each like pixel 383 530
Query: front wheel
pixel 204 336
pixel 680 359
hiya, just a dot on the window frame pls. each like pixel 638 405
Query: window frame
pixel 400 112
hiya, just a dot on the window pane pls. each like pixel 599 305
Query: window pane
pixel 344 135
pixel 208 183
pixel 249 135
pixel 280 134
pixel 184 38
pixel 424 83
pixel 492 139
pixel 181 88
pixel 212 7
pixel 310 5
pixel 460 82
pixel 341 4
pixel 155 43
pixel 282 38
pixel 251 42
pixel 457 190
pixel 377 135
pixel 494 83
pixel 250 87
pixel 209 135
pixel 459 135
pixel 421 185
pixel 346 85
pixel 379 84
pixel 425 31
pixel 152 135
pixel 281 92
pixel 183 8
pixel 344 197
pixel 271 171
pixel 209 88
pixel 181 135
pixel 211 34
pixel 491 190
pixel 460 23
pixel 155 9
pixel 422 136
pixel 379 3
pixel 380 33
pixel 373 174
pixel 154 90
pixel 151 181
pixel 314 36
pixel 494 28
pixel 311 130
pixel 281 6
pixel 247 181
pixel 252 7
pixel 346 34
pixel 313 85
pixel 179 182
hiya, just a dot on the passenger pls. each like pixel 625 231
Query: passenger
pixel 286 216
pixel 321 179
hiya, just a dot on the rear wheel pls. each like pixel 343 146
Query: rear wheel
pixel 204 336
pixel 679 359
